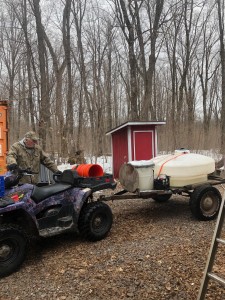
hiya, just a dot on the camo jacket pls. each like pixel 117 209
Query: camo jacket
pixel 29 158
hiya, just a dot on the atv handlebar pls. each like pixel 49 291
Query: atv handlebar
pixel 24 172
pixel 56 177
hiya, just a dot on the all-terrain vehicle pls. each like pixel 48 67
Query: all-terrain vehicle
pixel 42 211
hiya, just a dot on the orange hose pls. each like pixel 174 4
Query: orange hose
pixel 167 162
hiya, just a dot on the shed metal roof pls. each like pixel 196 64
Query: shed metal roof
pixel 136 124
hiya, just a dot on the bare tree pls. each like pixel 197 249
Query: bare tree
pixel 21 11
pixel 220 9
pixel 171 34
pixel 44 118
pixel 154 21
pixel 78 10
pixel 67 49
pixel 126 18
pixel 108 75
pixel 115 69
pixel 11 39
pixel 207 72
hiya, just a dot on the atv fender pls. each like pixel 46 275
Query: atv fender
pixel 19 212
pixel 18 215
pixel 82 198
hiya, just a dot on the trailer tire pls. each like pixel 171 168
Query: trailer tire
pixel 13 246
pixel 162 198
pixel 205 202
pixel 95 221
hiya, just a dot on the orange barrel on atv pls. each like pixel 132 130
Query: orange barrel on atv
pixel 89 170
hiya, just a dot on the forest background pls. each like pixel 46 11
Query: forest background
pixel 74 69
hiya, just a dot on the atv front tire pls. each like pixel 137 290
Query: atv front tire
pixel 95 221
pixel 13 243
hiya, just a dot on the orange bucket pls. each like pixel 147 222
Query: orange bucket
pixel 89 170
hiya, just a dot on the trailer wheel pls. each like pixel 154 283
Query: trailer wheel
pixel 95 221
pixel 162 198
pixel 205 202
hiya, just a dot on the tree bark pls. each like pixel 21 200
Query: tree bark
pixel 148 109
pixel 44 119
pixel 220 6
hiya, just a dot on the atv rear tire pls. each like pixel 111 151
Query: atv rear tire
pixel 95 221
pixel 205 202
pixel 13 244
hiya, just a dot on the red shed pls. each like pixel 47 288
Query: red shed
pixel 133 141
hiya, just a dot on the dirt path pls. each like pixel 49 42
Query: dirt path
pixel 154 251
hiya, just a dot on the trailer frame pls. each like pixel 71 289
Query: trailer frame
pixel 202 195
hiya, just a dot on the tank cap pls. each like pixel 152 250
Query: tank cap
pixel 182 150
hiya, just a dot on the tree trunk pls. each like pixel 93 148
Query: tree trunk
pixel 130 38
pixel 67 50
pixel 148 109
pixel 44 120
pixel 221 20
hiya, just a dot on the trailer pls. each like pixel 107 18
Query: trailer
pixel 204 198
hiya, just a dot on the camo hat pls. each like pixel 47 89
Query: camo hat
pixel 31 135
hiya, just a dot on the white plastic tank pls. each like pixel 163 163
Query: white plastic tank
pixel 137 175
pixel 183 167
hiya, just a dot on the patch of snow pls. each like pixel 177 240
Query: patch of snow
pixel 104 161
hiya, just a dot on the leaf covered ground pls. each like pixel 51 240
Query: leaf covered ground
pixel 154 251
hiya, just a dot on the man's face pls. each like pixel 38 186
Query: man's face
pixel 29 143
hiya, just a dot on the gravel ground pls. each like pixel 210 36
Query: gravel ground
pixel 154 251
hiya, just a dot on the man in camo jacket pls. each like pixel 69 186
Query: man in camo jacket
pixel 28 154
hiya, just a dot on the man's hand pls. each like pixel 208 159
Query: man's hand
pixel 57 176
pixel 12 167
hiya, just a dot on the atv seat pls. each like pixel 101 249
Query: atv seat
pixel 42 192
pixel 65 181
